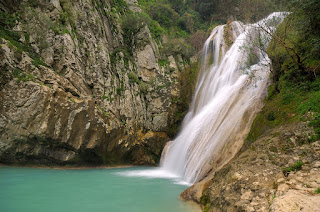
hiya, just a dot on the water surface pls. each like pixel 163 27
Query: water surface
pixel 34 189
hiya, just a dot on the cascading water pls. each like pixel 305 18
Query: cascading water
pixel 230 88
pixel 227 98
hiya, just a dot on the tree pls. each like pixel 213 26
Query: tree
pixel 163 14
pixel 297 40
pixel 131 24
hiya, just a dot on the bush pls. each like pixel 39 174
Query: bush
pixel 298 60
pixel 177 47
pixel 206 8
pixel 133 77
pixel 315 123
pixel 131 24
pixel 197 39
pixel 294 167
pixel 163 14
pixel 143 88
pixel 188 22
pixel 22 76
pixel 13 39
pixel 67 16
pixel 7 20
pixel 120 6
pixel 271 116
pixel 155 28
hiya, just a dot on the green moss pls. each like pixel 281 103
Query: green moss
pixel 188 80
pixel 108 97
pixel 227 35
pixel 120 89
pixel 13 39
pixel 273 149
pixel 20 75
pixel 205 200
pixel 207 208
pixel 37 62
pixel 317 191
pixel 163 62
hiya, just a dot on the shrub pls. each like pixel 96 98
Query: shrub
pixel 22 76
pixel 204 200
pixel 7 20
pixel 67 16
pixel 176 47
pixel 155 29
pixel 143 88
pixel 119 91
pixel 197 39
pixel 294 167
pixel 164 62
pixel 188 21
pixel 120 6
pixel 163 14
pixel 271 116
pixel 133 77
pixel 131 24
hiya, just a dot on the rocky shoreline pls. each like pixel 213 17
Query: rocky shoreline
pixel 280 171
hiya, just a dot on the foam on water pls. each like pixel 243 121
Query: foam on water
pixel 227 97
pixel 154 173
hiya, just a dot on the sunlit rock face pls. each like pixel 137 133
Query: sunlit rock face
pixel 87 101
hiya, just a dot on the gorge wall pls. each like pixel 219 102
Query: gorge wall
pixel 277 167
pixel 73 92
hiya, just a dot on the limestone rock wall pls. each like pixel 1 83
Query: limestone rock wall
pixel 71 94
pixel 256 180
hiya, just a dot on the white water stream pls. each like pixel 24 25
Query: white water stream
pixel 227 98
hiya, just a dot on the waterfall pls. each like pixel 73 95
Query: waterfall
pixel 228 95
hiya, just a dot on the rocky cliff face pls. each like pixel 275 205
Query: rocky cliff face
pixel 72 92
pixel 278 172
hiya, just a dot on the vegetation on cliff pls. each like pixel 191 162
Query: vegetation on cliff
pixel 179 28
pixel 117 33
pixel 97 66
pixel 277 167
pixel 295 91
